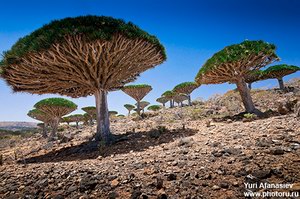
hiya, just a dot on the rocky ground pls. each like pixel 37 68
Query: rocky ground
pixel 177 154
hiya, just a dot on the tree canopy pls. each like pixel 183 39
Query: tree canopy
pixel 162 100
pixel 185 87
pixel 82 56
pixel 138 91
pixel 154 108
pixel 235 61
pixel 279 71
pixel 168 94
pixel 92 27
pixel 56 102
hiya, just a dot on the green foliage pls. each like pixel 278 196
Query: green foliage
pixel 168 94
pixel 249 115
pixel 112 112
pixel 154 107
pixel 238 52
pixel 75 117
pixel 162 100
pixel 57 102
pixel 281 67
pixel 88 108
pixel 129 106
pixel 184 85
pixel 34 112
pixel 91 27
pixel 121 116
pixel 137 86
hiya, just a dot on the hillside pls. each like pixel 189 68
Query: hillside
pixel 15 126
pixel 202 151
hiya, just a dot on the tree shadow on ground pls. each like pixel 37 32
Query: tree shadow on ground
pixel 124 143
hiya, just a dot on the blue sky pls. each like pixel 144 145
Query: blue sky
pixel 191 30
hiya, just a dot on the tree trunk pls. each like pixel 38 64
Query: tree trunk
pixel 281 84
pixel 45 134
pixel 250 86
pixel 91 121
pixel 77 125
pixel 246 97
pixel 181 104
pixel 138 109
pixel 54 126
pixel 189 99
pixel 128 113
pixel 103 131
pixel 164 104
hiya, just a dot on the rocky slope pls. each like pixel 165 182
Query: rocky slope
pixel 175 153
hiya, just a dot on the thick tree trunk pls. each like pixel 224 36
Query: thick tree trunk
pixel 77 126
pixel 250 86
pixel 171 104
pixel 246 97
pixel 138 108
pixel 54 126
pixel 103 131
pixel 45 134
pixel 190 100
pixel 181 104
pixel 281 84
pixel 164 104
pixel 128 113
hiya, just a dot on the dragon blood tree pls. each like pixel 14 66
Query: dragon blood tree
pixel 279 71
pixel 81 56
pixel 67 120
pixel 170 96
pixel 154 108
pixel 179 98
pixel 253 76
pixel 162 100
pixel 186 88
pixel 137 92
pixel 56 108
pixel 129 107
pixel 143 105
pixel 92 113
pixel 112 113
pixel 41 116
pixel 233 63
pixel 76 118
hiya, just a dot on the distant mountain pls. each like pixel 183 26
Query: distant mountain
pixel 17 126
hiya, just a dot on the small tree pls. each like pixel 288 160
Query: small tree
pixel 76 118
pixel 179 98
pixel 279 71
pixel 143 105
pixel 154 108
pixel 41 116
pixel 186 88
pixel 56 108
pixel 232 65
pixel 92 112
pixel 170 96
pixel 129 107
pixel 82 56
pixel 253 76
pixel 137 92
pixel 162 100
pixel 66 119
pixel 113 113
